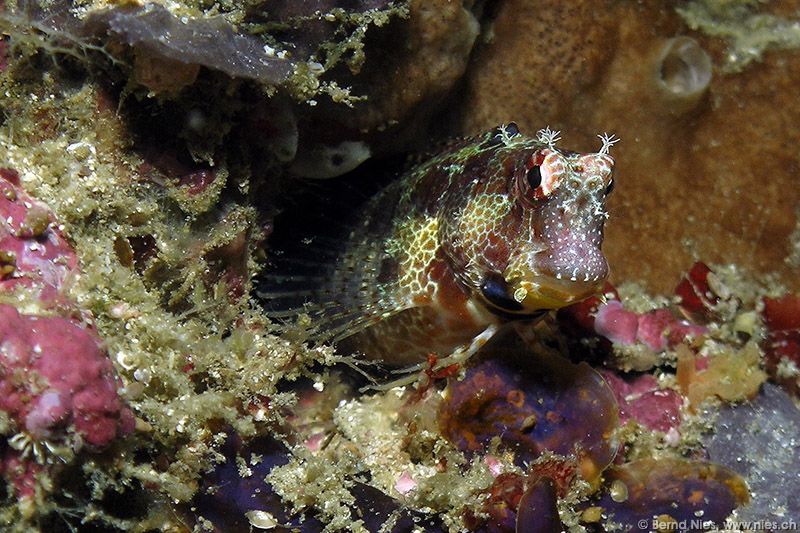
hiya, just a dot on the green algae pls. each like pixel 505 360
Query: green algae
pixel 192 357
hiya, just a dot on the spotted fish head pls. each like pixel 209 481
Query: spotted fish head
pixel 543 248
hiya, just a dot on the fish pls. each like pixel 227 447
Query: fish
pixel 489 230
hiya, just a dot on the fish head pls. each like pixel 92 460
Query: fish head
pixel 545 249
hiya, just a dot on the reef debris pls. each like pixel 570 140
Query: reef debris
pixel 235 496
pixel 732 375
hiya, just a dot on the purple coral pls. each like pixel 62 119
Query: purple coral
pixel 533 403
pixel 650 494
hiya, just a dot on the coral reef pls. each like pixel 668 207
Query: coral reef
pixel 637 340
pixel 696 169
pixel 143 388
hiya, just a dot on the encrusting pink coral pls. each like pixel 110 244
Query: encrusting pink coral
pixel 643 400
pixel 657 329
pixel 606 316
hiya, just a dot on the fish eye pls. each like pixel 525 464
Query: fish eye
pixel 534 176
pixel 495 290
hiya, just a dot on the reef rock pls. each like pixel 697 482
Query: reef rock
pixel 706 166
pixel 743 433
pixel 413 65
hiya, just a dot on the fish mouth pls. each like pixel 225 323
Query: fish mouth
pixel 551 293
pixel 529 296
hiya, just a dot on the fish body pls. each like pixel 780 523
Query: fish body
pixel 491 229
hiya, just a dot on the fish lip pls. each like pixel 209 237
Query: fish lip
pixel 551 293
pixel 495 296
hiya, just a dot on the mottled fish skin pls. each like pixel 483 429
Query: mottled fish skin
pixel 491 229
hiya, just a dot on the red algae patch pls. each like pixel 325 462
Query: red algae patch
pixel 782 340
pixel 34 256
pixel 57 382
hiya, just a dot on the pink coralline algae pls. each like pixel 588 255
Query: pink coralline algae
pixel 34 256
pixel 57 386
pixel 55 380
pixel 641 399
pixel 657 329
pixel 606 317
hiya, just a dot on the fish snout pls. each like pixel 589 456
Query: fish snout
pixel 557 278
